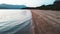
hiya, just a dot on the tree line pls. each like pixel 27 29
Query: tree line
pixel 54 6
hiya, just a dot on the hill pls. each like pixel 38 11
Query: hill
pixel 7 6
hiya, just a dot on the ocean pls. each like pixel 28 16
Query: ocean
pixel 13 21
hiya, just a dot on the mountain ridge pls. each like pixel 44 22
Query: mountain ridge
pixel 9 6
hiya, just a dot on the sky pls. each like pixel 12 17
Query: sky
pixel 29 3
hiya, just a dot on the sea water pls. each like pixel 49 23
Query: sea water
pixel 12 20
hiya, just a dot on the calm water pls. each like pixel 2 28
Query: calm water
pixel 12 21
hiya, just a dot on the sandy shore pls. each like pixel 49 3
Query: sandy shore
pixel 46 22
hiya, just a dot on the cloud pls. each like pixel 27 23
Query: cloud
pixel 30 3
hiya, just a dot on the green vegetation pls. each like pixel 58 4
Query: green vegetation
pixel 54 6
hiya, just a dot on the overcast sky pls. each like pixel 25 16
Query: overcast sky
pixel 30 3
